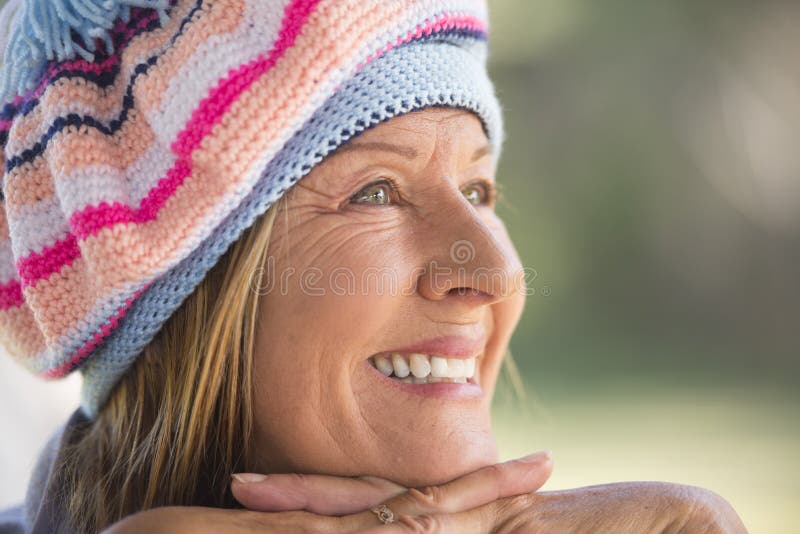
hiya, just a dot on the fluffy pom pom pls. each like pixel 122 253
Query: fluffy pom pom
pixel 38 31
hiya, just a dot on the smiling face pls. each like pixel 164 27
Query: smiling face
pixel 388 259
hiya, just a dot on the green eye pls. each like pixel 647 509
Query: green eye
pixel 476 194
pixel 377 193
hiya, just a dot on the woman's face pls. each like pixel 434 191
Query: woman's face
pixel 388 259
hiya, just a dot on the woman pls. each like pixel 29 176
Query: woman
pixel 271 248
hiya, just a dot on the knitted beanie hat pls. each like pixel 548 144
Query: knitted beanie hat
pixel 140 138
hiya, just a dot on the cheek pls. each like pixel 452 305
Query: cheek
pixel 504 315
pixel 315 318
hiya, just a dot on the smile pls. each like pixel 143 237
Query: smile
pixel 416 368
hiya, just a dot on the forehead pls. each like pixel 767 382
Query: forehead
pixel 419 134
pixel 432 121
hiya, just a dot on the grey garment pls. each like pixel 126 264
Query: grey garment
pixel 41 513
pixel 12 520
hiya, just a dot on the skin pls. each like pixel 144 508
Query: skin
pixel 319 408
pixel 336 440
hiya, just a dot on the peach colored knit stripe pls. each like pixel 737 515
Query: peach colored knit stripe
pixel 4 234
pixel 23 338
pixel 218 18
pixel 70 151
pixel 28 184
pixel 56 320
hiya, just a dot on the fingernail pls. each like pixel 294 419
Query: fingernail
pixel 249 478
pixel 537 457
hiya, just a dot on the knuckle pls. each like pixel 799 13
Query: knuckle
pixel 428 496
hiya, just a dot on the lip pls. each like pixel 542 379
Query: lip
pixel 459 347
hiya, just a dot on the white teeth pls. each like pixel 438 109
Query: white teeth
pixel 438 367
pixel 420 366
pixel 469 367
pixel 455 368
pixel 401 369
pixel 424 368
pixel 384 365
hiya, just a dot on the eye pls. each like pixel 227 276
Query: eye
pixel 378 193
pixel 477 193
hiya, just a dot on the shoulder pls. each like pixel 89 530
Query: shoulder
pixel 41 511
pixel 12 520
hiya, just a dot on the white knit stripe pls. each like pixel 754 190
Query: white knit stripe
pixel 145 173
pixel 36 226
pixel 8 270
pixel 91 185
pixel 211 62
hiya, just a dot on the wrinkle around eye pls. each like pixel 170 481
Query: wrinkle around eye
pixel 328 243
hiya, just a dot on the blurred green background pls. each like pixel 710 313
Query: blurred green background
pixel 652 180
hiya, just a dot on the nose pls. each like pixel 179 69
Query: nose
pixel 468 260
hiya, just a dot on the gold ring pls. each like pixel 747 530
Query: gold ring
pixel 384 514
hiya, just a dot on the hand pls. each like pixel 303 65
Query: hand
pixel 629 507
pixel 318 502
pixel 622 508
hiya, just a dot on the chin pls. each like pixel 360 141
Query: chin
pixel 439 461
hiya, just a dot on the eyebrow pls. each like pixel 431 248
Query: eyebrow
pixel 405 151
pixel 482 151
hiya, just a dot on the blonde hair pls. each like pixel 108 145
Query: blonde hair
pixel 180 421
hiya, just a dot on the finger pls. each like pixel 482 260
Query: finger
pixel 486 485
pixel 320 494
pixel 515 477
